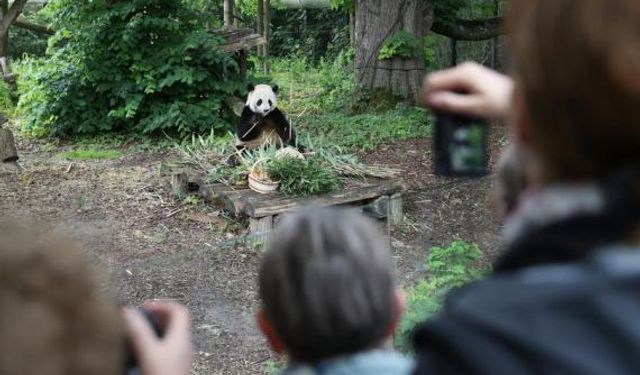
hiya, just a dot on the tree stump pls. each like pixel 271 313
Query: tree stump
pixel 8 152
pixel 180 184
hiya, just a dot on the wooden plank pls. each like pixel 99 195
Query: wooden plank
pixel 244 44
pixel 261 228
pixel 260 208
pixel 395 209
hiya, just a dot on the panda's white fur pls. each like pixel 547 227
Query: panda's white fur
pixel 262 99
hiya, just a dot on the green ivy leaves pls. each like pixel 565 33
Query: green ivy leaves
pixel 401 44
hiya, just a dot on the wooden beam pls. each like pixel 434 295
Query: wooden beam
pixel 262 208
pixel 305 4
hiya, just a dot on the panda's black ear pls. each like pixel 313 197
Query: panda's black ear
pixel 251 87
pixel 275 89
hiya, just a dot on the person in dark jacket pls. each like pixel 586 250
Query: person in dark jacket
pixel 564 297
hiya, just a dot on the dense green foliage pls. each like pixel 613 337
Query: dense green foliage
pixel 448 268
pixel 299 177
pixel 139 66
pixel 309 33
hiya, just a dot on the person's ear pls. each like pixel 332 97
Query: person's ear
pixel 269 332
pixel 251 87
pixel 399 306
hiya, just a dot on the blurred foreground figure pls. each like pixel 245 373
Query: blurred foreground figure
pixel 564 298
pixel 53 318
pixel 329 297
pixel 57 319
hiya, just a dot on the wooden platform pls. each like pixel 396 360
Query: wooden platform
pixel 377 198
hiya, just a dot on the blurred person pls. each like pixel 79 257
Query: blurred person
pixel 511 180
pixel 328 295
pixel 57 320
pixel 564 297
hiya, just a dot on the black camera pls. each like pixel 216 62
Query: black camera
pixel 460 146
pixel 131 367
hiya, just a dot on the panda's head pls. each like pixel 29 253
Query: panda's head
pixel 262 98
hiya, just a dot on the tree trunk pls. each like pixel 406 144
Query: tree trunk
pixel 229 19
pixel 4 34
pixel 267 34
pixel 376 20
pixel 260 29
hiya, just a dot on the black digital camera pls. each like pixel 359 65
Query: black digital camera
pixel 460 146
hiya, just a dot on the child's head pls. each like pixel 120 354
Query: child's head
pixel 577 70
pixel 55 319
pixel 327 286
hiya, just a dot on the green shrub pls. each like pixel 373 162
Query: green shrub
pixel 6 101
pixel 140 66
pixel 448 268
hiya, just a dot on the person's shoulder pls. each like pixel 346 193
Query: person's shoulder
pixel 374 362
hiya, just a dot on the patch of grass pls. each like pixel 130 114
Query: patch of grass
pixel 449 268
pixel 91 154
pixel 365 132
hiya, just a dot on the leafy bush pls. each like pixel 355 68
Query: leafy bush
pixel 449 268
pixel 312 33
pixel 6 101
pixel 299 177
pixel 141 66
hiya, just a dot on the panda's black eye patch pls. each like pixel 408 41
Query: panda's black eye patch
pixel 259 102
pixel 270 102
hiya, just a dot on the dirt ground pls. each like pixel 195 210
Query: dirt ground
pixel 156 246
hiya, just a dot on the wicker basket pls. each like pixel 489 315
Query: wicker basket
pixel 262 186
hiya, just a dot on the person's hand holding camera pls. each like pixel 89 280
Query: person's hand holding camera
pixel 470 89
pixel 170 354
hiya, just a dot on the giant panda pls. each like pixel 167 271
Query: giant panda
pixel 262 122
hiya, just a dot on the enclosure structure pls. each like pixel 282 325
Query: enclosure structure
pixel 239 42
pixel 381 199
pixel 377 198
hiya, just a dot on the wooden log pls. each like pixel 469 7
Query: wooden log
pixel 395 209
pixel 260 207
pixel 8 152
pixel 261 228
pixel 180 184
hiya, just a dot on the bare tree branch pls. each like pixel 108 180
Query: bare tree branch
pixel 24 24
pixel 469 30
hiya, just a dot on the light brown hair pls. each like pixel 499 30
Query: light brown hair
pixel 54 320
pixel 327 284
pixel 577 65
